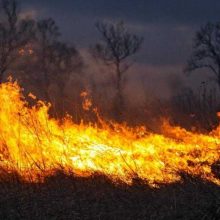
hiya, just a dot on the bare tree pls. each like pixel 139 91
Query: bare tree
pixel 207 50
pixel 47 35
pixel 64 60
pixel 116 47
pixel 57 59
pixel 14 34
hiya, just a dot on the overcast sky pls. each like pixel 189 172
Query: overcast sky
pixel 168 26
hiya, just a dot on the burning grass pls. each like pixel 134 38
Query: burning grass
pixel 34 145
pixel 48 168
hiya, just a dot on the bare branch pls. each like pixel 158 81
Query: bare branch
pixel 116 47
pixel 206 50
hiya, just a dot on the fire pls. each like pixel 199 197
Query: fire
pixel 87 103
pixel 35 145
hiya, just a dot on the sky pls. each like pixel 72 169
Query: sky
pixel 168 28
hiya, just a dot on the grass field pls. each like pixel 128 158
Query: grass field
pixel 69 197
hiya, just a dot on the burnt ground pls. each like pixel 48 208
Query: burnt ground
pixel 68 197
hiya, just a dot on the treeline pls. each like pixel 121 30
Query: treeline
pixel 33 52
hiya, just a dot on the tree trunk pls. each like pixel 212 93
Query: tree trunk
pixel 46 82
pixel 218 78
pixel 119 102
pixel 2 71
pixel 46 87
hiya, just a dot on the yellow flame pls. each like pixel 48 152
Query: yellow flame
pixel 34 145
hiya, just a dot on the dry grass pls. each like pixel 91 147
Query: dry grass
pixel 69 197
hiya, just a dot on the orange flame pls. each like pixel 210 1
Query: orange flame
pixel 34 145
pixel 87 102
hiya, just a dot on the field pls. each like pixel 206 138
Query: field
pixel 63 170
pixel 68 197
